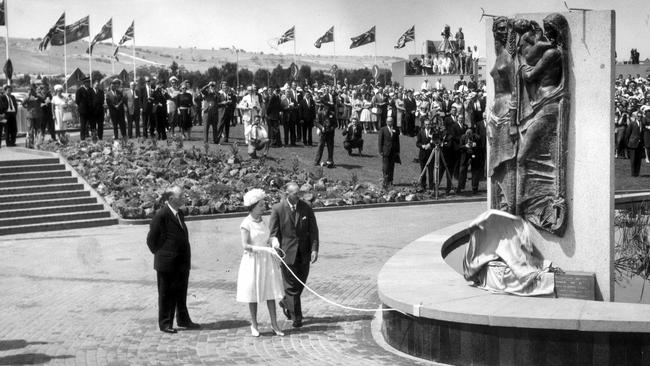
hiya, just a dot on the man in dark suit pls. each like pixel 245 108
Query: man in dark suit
pixel 84 100
pixel 221 103
pixel 273 110
pixel 294 230
pixel 634 140
pixel 326 128
pixel 97 118
pixel 454 129
pixel 145 94
pixel 307 115
pixel 475 107
pixel 8 106
pixel 408 127
pixel 290 117
pixel 426 141
pixel 480 151
pixel 160 97
pixel 115 101
pixel 388 141
pixel 169 242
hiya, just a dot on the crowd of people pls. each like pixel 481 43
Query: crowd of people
pixel 632 120
pixel 450 57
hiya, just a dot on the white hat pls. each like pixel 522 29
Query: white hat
pixel 173 78
pixel 253 196
pixel 58 87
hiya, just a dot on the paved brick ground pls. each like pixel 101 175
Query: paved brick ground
pixel 88 296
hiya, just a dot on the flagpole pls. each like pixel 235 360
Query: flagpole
pixel 112 46
pixel 7 28
pixel 65 56
pixel 237 68
pixel 90 55
pixel 415 45
pixel 334 52
pixel 133 50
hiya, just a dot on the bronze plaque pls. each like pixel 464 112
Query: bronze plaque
pixel 576 285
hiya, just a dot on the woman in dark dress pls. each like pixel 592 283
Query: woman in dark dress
pixel 184 102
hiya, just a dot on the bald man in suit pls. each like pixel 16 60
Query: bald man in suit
pixel 295 231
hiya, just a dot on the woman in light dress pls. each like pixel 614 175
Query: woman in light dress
pixel 59 102
pixel 366 116
pixel 259 278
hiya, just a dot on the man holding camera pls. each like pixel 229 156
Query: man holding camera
pixel 257 139
pixel 210 112
pixel 426 140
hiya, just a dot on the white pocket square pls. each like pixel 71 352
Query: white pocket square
pixel 304 217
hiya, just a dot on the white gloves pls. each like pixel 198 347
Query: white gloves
pixel 275 243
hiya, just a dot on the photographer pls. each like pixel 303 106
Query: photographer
pixel 468 145
pixel 210 111
pixel 427 139
pixel 257 139
pixel 353 136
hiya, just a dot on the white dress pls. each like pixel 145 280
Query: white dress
pixel 259 278
pixel 58 103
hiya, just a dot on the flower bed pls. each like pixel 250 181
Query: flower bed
pixel 132 176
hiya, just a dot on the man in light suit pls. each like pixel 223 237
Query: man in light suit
pixel 133 106
pixel 168 240
pixel 294 230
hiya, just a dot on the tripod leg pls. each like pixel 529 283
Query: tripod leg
pixel 436 171
pixel 448 174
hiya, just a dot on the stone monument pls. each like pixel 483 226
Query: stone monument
pixel 550 135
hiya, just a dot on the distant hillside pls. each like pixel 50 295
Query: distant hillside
pixel 27 58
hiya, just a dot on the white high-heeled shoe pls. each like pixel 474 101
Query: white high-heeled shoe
pixel 278 332
pixel 255 332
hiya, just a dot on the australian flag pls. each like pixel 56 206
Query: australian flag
pixel 104 34
pixel 365 38
pixel 408 36
pixel 73 32
pixel 325 38
pixel 289 35
pixel 128 35
pixel 57 28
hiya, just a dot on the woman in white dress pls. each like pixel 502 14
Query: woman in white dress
pixel 59 102
pixel 260 277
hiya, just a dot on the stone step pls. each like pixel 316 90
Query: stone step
pixel 38 182
pixel 38 211
pixel 34 175
pixel 44 196
pixel 73 216
pixel 43 161
pixel 12 191
pixel 47 203
pixel 57 225
pixel 31 168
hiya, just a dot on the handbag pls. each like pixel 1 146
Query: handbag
pixel 67 116
pixel 374 110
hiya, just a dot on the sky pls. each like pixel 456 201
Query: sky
pixel 252 24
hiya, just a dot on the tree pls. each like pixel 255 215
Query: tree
pixel 174 68
pixel 262 77
pixel 245 77
pixel 228 71
pixel 213 74
pixel 304 73
pixel 97 75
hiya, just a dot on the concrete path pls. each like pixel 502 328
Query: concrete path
pixel 88 296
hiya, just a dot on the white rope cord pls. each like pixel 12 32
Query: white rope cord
pixel 281 258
